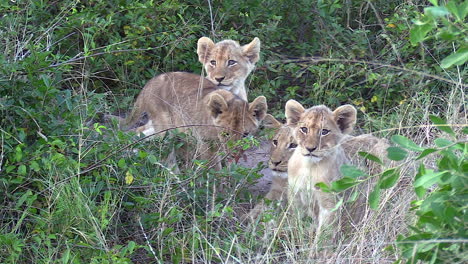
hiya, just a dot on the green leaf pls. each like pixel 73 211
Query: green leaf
pixel 323 186
pixel 418 33
pixel 428 179
pixel 22 170
pixel 436 11
pixel 343 184
pixel 453 9
pixel 374 199
pixel 463 10
pixel 441 124
pixel 406 143
pixel 457 58
pixel 425 153
pixel 353 197
pixel 370 157
pixel 351 171
pixel 389 178
pixel 152 159
pixel 442 142
pixel 121 163
pixel 434 2
pixel 396 153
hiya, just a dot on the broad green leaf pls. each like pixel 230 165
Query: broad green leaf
pixel 465 130
pixel 152 159
pixel 396 153
pixel 389 178
pixel 457 58
pixel 420 191
pixel 343 184
pixel 463 10
pixel 428 179
pixel 406 143
pixel 323 186
pixel 418 33
pixel 425 153
pixel 22 170
pixel 121 163
pixel 436 11
pixel 441 124
pixel 351 171
pixel 23 198
pixel 442 142
pixel 353 197
pixel 374 199
pixel 453 9
pixel 434 2
pixel 370 157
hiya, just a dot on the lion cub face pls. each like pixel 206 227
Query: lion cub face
pixel 283 145
pixel 318 130
pixel 233 117
pixel 228 64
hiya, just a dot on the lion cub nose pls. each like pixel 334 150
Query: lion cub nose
pixel 311 149
pixel 219 79
pixel 275 163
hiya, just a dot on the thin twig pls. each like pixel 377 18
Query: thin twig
pixel 147 240
pixel 211 18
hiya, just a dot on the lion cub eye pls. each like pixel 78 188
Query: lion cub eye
pixel 325 132
pixel 292 145
pixel 213 63
pixel 232 62
pixel 304 130
pixel 275 142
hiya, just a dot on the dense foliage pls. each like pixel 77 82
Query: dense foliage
pixel 73 190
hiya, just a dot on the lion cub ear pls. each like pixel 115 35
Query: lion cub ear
pixel 216 105
pixel 204 47
pixel 345 118
pixel 293 112
pixel 252 50
pixel 258 108
pixel 271 122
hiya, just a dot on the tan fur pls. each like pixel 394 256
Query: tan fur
pixel 227 64
pixel 282 144
pixel 182 99
pixel 318 157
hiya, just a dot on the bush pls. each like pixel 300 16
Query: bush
pixel 74 189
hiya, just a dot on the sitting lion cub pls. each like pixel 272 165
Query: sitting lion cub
pixel 191 102
pixel 228 64
pixel 317 158
pixel 284 144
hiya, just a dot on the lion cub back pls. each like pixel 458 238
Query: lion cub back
pixel 189 101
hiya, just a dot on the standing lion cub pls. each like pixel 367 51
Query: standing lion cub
pixel 227 64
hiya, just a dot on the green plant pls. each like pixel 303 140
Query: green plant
pixel 444 21
pixel 439 233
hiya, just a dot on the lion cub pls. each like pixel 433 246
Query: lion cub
pixel 190 102
pixel 283 145
pixel 227 64
pixel 317 158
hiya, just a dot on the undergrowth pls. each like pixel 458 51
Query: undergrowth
pixel 74 189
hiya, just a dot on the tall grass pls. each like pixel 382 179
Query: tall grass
pixel 75 192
